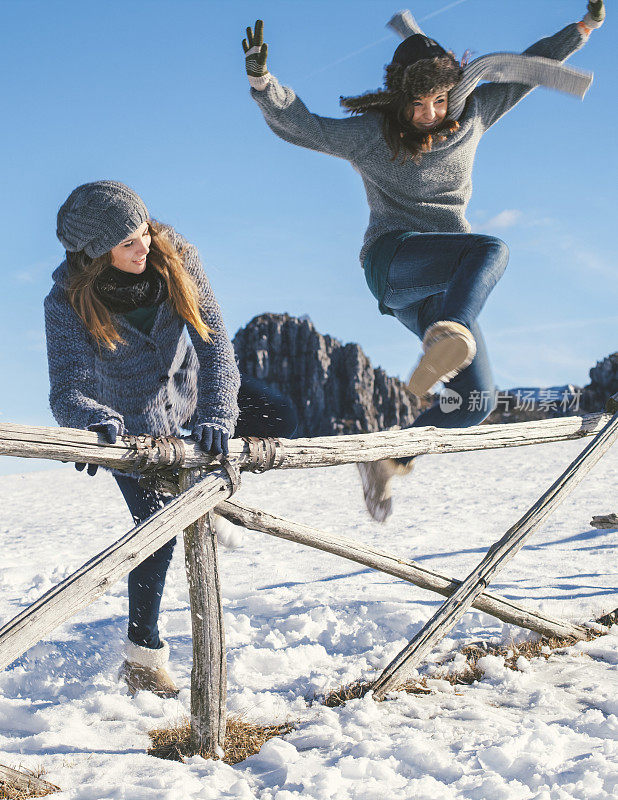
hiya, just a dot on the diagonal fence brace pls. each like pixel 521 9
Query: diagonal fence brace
pixel 100 573
pixel 498 555
pixel 499 607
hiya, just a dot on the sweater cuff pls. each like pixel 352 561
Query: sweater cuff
pixel 117 422
pixel 584 29
pixel 275 96
pixel 259 83
pixel 105 419
pixel 221 423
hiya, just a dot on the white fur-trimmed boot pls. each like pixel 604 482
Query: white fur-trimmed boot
pixel 145 669
pixel 229 535
pixel 448 348
pixel 376 478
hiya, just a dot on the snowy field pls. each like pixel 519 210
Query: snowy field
pixel 300 622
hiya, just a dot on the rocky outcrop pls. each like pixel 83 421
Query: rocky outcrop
pixel 525 404
pixel 335 389
pixel 333 386
pixel 603 384
pixel 570 400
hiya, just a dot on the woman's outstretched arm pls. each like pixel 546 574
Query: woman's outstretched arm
pixel 495 99
pixel 288 116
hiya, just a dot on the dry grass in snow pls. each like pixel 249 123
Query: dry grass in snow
pixel 470 671
pixel 242 739
pixel 15 790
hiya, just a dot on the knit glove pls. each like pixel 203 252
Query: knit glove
pixel 211 438
pixel 109 428
pixel 596 14
pixel 256 52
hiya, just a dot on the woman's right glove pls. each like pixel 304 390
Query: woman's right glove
pixel 256 52
pixel 109 429
pixel 596 14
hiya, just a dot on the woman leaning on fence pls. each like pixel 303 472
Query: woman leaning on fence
pixel 413 143
pixel 119 362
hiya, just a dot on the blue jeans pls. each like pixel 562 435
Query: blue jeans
pixel 147 580
pixel 263 412
pixel 448 276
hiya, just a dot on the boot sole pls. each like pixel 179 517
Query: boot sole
pixel 444 359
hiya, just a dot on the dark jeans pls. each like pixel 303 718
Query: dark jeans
pixel 146 581
pixel 449 276
pixel 263 412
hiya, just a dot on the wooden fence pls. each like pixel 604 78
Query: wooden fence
pixel 202 485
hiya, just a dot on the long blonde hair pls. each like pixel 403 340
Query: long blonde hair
pixel 166 260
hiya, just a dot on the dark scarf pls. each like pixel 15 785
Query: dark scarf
pixel 123 291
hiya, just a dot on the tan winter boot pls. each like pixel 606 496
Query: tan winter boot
pixel 145 669
pixel 448 348
pixel 376 477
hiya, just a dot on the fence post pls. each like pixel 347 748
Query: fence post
pixel 209 672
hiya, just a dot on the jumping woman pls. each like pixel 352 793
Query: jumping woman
pixel 413 143
pixel 119 362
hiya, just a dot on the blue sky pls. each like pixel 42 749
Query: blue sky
pixel 154 94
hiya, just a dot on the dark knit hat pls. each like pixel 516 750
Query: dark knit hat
pixel 420 67
pixel 98 216
pixel 416 47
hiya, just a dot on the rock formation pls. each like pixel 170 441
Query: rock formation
pixel 333 386
pixel 603 384
pixel 336 390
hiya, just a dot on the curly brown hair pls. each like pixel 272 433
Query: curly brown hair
pixel 166 260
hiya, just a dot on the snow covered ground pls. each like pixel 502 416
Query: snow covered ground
pixel 300 622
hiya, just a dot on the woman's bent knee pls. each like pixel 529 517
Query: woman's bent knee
pixel 498 249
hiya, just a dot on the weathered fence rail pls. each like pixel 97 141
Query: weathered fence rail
pixel 23 784
pixel 202 485
pixel 69 444
pixel 504 610
pixel 498 555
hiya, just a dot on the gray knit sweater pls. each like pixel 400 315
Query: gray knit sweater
pixel 156 383
pixel 431 196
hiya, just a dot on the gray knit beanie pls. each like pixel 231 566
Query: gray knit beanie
pixel 98 216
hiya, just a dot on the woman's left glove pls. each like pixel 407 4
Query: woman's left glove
pixel 596 14
pixel 211 439
pixel 109 428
